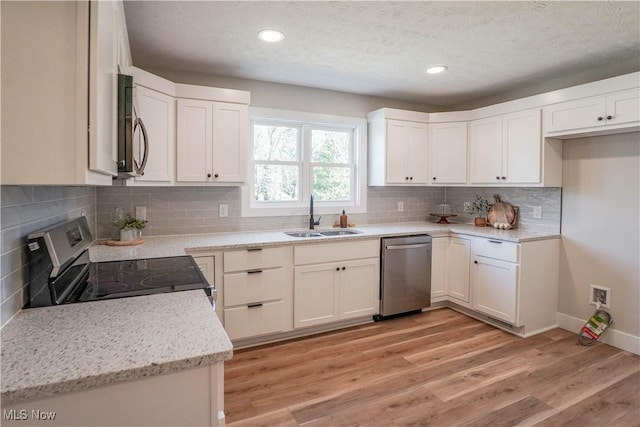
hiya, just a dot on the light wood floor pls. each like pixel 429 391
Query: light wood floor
pixel 438 368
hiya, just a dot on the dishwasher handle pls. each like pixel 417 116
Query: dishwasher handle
pixel 414 246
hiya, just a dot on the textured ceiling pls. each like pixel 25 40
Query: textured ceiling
pixel 383 48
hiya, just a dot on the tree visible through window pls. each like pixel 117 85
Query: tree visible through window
pixel 331 165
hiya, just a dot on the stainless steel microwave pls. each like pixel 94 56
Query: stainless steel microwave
pixel 133 144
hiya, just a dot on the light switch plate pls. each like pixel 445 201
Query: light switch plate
pixel 537 212
pixel 400 206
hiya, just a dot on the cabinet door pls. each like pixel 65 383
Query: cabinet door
pixel 359 288
pixel 449 153
pixel 496 284
pixel 458 268
pixel 623 107
pixel 522 147
pixel 397 152
pixel 418 153
pixel 230 140
pixel 579 114
pixel 195 122
pixel 315 295
pixel 103 88
pixel 485 145
pixel 157 112
pixel 439 267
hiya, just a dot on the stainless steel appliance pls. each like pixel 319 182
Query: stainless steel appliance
pixel 60 271
pixel 133 144
pixel 405 277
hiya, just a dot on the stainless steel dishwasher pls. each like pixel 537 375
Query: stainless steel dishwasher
pixel 405 279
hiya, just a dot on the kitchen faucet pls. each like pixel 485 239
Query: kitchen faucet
pixel 312 222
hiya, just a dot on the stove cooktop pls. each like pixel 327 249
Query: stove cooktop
pixel 116 279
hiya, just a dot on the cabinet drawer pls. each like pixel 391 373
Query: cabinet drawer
pixel 251 259
pixel 332 252
pixel 245 322
pixel 256 286
pixel 497 249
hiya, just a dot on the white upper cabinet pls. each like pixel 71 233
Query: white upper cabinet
pixel 448 153
pixel 59 66
pixel 103 87
pixel 398 148
pixel 521 147
pixel 506 149
pixel 619 111
pixel 212 141
pixel 158 112
pixel 485 144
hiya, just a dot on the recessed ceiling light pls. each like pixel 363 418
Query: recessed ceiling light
pixel 436 69
pixel 271 35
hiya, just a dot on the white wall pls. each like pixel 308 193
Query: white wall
pixel 601 227
pixel 296 98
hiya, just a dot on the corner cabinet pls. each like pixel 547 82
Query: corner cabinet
pixel 212 141
pixel 64 78
pixel 448 154
pixel 336 281
pixel 612 113
pixel 398 148
pixel 458 274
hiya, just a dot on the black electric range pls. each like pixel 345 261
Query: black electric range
pixel 60 271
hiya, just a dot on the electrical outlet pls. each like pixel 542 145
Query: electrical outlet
pixel 537 212
pixel 400 206
pixel 600 293
pixel 141 213
pixel 466 206
pixel 223 211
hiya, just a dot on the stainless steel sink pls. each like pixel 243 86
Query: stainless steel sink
pixel 327 233
pixel 302 234
pixel 340 232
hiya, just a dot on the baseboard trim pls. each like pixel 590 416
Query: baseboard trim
pixel 612 337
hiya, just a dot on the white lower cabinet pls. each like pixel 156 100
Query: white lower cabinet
pixel 339 281
pixel 496 284
pixel 440 247
pixel 517 283
pixel 458 279
pixel 258 287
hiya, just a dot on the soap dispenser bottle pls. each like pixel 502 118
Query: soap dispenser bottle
pixel 343 220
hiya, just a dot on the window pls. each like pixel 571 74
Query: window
pixel 293 155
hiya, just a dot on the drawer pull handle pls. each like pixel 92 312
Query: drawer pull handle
pixel 495 241
pixel 259 304
pixel 254 249
pixel 254 271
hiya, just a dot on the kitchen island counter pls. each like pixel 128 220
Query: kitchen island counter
pixel 62 349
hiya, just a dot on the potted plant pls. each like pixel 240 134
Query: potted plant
pixel 479 207
pixel 130 227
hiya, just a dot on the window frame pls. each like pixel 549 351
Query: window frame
pixel 307 122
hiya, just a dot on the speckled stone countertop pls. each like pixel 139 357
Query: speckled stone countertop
pixel 51 350
pixel 163 246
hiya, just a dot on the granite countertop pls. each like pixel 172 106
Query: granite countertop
pixel 163 246
pixel 61 349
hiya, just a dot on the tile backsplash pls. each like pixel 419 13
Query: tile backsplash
pixel 194 210
pixel 26 209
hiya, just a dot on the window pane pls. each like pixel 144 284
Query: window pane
pixel 330 146
pixel 276 183
pixel 331 183
pixel 275 143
